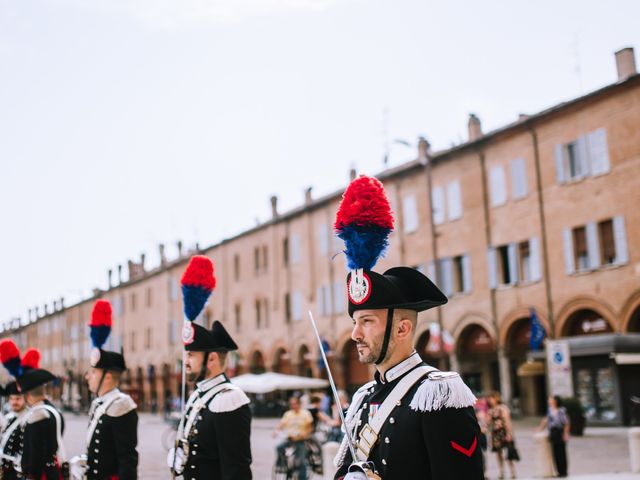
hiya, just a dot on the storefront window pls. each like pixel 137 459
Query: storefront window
pixel 596 393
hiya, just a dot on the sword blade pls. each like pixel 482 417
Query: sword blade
pixel 336 397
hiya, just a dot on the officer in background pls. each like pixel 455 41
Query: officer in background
pixel 213 441
pixel 11 436
pixel 412 421
pixel 43 451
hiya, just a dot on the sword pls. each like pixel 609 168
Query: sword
pixel 333 389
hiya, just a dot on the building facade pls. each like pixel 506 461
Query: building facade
pixel 540 214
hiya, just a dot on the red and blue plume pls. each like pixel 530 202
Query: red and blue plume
pixel 10 357
pixel 31 359
pixel 364 221
pixel 198 281
pixel 100 324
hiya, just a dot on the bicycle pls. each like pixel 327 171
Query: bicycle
pixel 288 460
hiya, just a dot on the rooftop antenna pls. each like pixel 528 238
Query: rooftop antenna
pixel 385 136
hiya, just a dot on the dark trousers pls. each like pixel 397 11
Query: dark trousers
pixel 559 450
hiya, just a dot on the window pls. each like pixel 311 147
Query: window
pixel 514 263
pixel 236 267
pixel 256 260
pixel 237 309
pixel 133 302
pixel 265 258
pixel 285 251
pixel 339 297
pixel 258 308
pixel 147 338
pixel 607 243
pixel 324 300
pixel 437 205
pixel 454 274
pixel 498 186
pixel 518 179
pixel 174 289
pixel 454 201
pixel 132 342
pixel 587 247
pixel 295 249
pixel 287 308
pixel 121 305
pixel 173 337
pixel 296 306
pixel 323 239
pixel 265 312
pixel 410 214
pixel 149 297
pixel 585 156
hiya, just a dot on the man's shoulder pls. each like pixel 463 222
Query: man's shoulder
pixel 230 398
pixel 440 390
pixel 122 405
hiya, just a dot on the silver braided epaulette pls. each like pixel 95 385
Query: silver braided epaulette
pixel 442 390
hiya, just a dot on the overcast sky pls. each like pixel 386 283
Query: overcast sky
pixel 126 123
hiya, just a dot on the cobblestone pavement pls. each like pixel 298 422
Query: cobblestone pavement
pixel 603 453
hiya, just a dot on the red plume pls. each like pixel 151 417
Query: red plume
pixel 31 358
pixel 101 314
pixel 8 350
pixel 364 203
pixel 199 273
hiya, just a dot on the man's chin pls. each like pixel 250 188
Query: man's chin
pixel 366 358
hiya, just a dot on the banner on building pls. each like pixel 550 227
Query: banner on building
pixel 559 368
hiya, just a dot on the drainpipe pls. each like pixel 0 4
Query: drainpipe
pixel 543 232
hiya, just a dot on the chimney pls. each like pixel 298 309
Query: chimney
pixel 197 247
pixel 307 196
pixel 61 303
pixel 131 269
pixel 55 306
pixel 37 309
pixel 352 174
pixel 163 256
pixel 119 274
pixel 29 317
pixel 475 127
pixel 142 259
pixel 523 116
pixel 424 148
pixel 109 275
pixel 46 309
pixel 625 63
pixel 274 206
pixel 179 245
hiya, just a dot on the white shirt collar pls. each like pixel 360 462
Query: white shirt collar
pixel 401 368
pixel 209 383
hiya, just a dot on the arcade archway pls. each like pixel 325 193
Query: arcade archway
pixel 282 361
pixel 256 364
pixel 304 362
pixel 476 351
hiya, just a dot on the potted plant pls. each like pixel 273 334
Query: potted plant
pixel 575 411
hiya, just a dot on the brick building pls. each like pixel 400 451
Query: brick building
pixel 541 213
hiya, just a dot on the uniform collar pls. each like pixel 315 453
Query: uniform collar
pixel 209 383
pixel 108 396
pixel 400 369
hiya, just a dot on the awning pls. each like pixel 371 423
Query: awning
pixel 271 382
pixel 626 358
pixel 531 368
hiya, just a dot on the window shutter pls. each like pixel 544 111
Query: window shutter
pixel 339 297
pixel 598 151
pixel 466 273
pixel 593 245
pixel 492 267
pixel 620 240
pixel 410 214
pixel 518 178
pixel 323 239
pixel 454 201
pixel 498 187
pixel 437 205
pixel 582 150
pixel 535 271
pixel 512 252
pixel 561 176
pixel 446 272
pixel 569 261
pixel 296 308
pixel 294 248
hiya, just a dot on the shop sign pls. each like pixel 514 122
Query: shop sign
pixel 559 368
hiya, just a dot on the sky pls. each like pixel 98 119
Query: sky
pixel 129 123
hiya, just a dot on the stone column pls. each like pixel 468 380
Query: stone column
pixel 505 376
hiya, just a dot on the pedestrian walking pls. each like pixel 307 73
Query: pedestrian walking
pixel 558 425
pixel 499 418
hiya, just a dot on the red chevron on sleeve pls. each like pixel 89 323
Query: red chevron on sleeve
pixel 466 451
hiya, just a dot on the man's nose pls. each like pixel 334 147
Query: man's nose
pixel 356 333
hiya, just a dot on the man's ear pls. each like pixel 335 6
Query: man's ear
pixel 404 328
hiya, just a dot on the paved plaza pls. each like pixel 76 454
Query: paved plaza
pixel 603 453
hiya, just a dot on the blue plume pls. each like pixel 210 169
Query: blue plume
pixel 99 334
pixel 364 244
pixel 14 366
pixel 194 298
